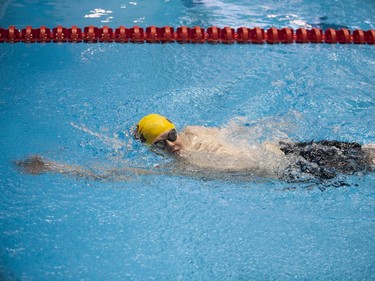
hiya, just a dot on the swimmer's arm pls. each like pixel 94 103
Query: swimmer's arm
pixel 36 165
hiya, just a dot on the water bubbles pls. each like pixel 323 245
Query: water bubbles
pixel 333 56
pixel 140 20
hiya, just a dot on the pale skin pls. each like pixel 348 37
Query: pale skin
pixel 182 143
pixel 196 150
pixel 207 149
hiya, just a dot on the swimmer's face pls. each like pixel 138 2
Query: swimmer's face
pixel 168 141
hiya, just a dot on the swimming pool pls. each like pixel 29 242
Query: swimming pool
pixel 76 103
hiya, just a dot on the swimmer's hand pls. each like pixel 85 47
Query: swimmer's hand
pixel 36 165
pixel 33 165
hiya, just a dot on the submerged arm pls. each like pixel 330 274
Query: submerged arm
pixel 36 165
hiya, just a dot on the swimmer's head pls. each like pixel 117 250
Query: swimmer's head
pixel 152 126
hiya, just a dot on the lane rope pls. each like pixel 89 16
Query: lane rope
pixel 184 34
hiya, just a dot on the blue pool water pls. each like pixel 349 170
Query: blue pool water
pixel 76 103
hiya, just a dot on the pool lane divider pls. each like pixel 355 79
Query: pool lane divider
pixel 184 34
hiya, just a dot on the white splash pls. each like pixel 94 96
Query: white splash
pixel 300 23
pixel 97 13
pixel 114 142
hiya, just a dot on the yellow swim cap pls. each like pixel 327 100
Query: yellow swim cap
pixel 151 126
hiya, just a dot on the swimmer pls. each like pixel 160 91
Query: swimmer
pixel 208 152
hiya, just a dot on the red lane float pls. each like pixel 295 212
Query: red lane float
pixel 330 36
pixel 120 35
pixel 359 37
pixel 286 35
pixel 59 34
pixel 182 34
pixel 151 34
pixel 257 35
pixel 370 37
pixel 344 36
pixel 166 34
pixel 105 34
pixel 185 34
pixel 90 34
pixel 10 35
pixel 213 35
pixel 136 34
pixel 243 35
pixel 74 35
pixel 315 35
pixel 227 35
pixel 197 35
pixel 272 36
pixel 302 36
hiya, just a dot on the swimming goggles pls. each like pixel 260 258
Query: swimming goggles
pixel 172 136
